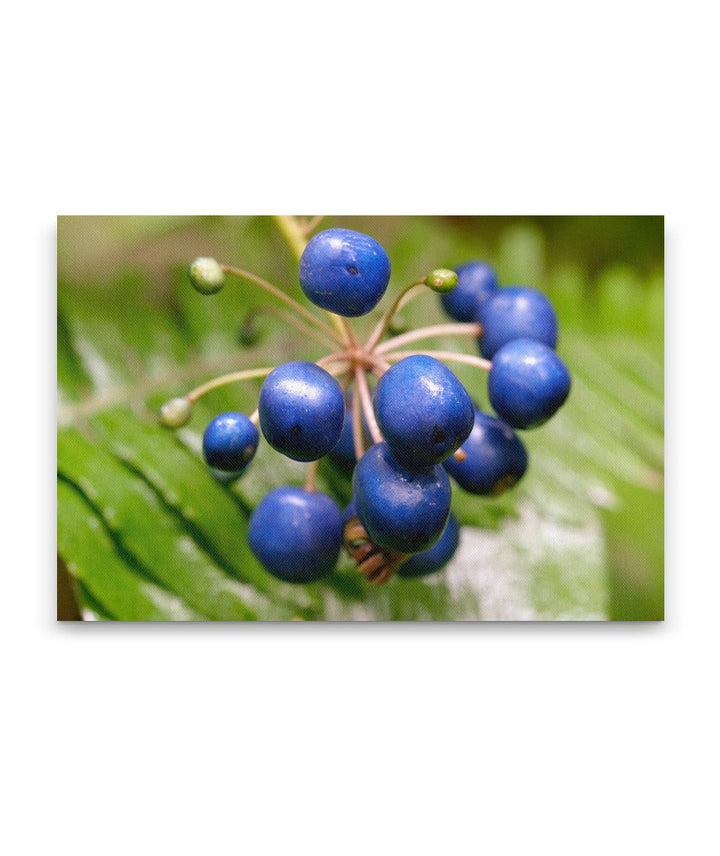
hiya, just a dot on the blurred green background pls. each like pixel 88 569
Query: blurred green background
pixel 144 533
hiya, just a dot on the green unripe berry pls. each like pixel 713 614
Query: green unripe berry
pixel 206 275
pixel 441 280
pixel 175 413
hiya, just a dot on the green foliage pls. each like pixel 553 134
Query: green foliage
pixel 147 534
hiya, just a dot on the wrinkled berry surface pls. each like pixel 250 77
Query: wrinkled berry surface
pixel 495 460
pixel 516 313
pixel 423 411
pixel 344 271
pixel 527 383
pixel 296 535
pixel 401 508
pixel 301 410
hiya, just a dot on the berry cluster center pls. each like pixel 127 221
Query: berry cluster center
pixel 395 417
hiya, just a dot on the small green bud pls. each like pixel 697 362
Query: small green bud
pixel 441 280
pixel 206 275
pixel 175 413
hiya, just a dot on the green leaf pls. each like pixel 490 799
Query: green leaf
pixel 145 531
pixel 635 555
pixel 112 580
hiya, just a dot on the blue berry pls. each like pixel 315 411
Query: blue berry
pixel 343 452
pixel 296 535
pixel 435 557
pixel 516 312
pixel 344 271
pixel 230 442
pixel 350 511
pixel 402 509
pixel 225 476
pixel 301 410
pixel 423 410
pixel 495 458
pixel 527 383
pixel 477 282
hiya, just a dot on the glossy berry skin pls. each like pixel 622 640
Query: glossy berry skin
pixel 495 458
pixel 402 509
pixel 437 556
pixel 527 383
pixel 301 410
pixel 230 442
pixel 477 282
pixel 442 280
pixel 296 535
pixel 343 452
pixel 516 312
pixel 344 271
pixel 423 411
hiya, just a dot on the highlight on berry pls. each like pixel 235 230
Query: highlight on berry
pixel 381 405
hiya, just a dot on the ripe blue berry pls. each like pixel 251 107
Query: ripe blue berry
pixel 344 271
pixel 230 442
pixel 477 282
pixel 495 458
pixel 402 509
pixel 516 313
pixel 296 535
pixel 527 383
pixel 435 557
pixel 343 452
pixel 423 410
pixel 301 410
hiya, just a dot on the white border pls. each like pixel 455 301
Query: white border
pixel 420 739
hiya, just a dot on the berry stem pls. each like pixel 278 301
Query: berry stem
pixel 337 364
pixel 428 333
pixel 357 429
pixel 289 318
pixel 363 391
pixel 296 238
pixel 379 363
pixel 310 478
pixel 313 223
pixel 355 357
pixel 222 380
pixel 450 356
pixel 293 304
pixel 293 232
pixel 384 322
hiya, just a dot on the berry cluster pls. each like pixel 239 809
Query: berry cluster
pixel 400 419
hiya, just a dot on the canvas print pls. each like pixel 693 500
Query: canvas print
pixel 343 418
